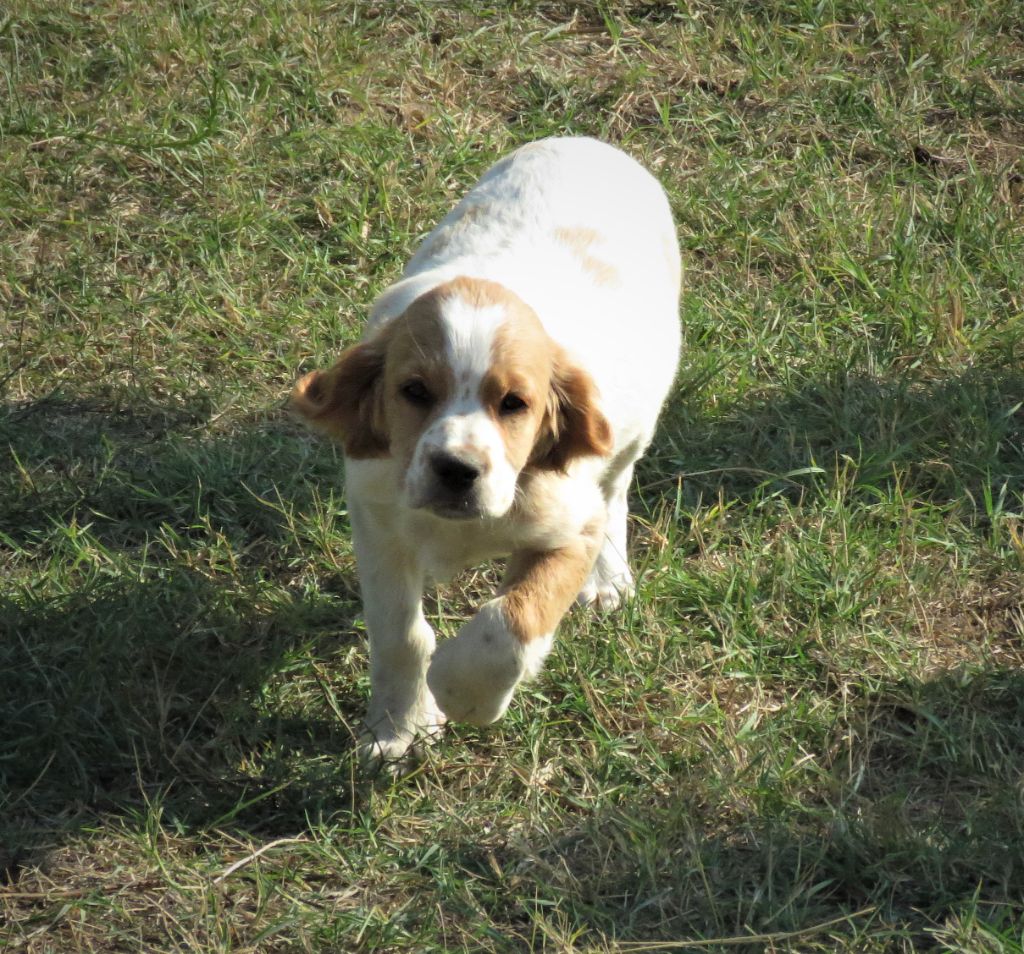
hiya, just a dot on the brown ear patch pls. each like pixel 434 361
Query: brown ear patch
pixel 346 401
pixel 576 426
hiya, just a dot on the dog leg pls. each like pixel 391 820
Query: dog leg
pixel 474 675
pixel 611 581
pixel 402 709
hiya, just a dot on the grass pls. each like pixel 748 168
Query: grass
pixel 806 733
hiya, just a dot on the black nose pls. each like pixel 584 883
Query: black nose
pixel 454 473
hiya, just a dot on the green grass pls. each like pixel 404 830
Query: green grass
pixel 806 733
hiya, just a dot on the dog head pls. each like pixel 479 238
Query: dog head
pixel 464 390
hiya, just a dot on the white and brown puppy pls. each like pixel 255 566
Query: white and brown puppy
pixel 501 394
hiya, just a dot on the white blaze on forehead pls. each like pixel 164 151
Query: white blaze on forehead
pixel 470 330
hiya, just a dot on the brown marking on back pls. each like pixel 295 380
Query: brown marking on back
pixel 580 241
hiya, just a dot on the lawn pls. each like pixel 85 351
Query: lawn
pixel 807 731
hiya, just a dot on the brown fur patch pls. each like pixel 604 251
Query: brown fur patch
pixel 345 402
pixel 416 353
pixel 539 587
pixel 580 242
pixel 481 292
pixel 576 427
pixel 522 364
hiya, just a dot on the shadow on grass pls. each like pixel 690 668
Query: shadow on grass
pixel 156 593
pixel 130 472
pixel 957 439
pixel 907 815
pixel 144 658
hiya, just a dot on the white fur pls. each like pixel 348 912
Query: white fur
pixel 622 329
pixel 474 675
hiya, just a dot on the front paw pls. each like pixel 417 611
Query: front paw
pixel 473 676
pixel 389 749
pixel 388 755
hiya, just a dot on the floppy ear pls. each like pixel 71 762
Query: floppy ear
pixel 576 428
pixel 346 401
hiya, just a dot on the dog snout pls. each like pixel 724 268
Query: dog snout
pixel 455 474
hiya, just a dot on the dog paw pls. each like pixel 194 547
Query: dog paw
pixel 606 594
pixel 392 756
pixel 395 751
pixel 473 676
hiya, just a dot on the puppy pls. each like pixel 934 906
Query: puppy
pixel 500 396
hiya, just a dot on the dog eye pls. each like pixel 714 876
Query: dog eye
pixel 416 393
pixel 511 403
